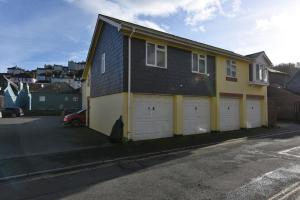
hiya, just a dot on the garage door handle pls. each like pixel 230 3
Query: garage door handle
pixel 149 108
pixel 153 108
pixel 196 107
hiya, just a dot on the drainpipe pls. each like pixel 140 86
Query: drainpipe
pixel 129 86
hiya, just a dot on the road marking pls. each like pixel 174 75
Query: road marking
pixel 262 185
pixel 286 191
pixel 290 193
pixel 287 152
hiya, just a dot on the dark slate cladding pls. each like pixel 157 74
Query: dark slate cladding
pixel 176 79
pixel 110 42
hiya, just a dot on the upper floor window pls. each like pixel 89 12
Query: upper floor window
pixel 156 55
pixel 258 73
pixel 102 63
pixel 199 63
pixel 231 69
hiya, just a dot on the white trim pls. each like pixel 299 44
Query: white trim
pixel 111 22
pixel 198 58
pixel 155 55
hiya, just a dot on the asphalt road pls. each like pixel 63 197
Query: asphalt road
pixel 265 168
pixel 25 136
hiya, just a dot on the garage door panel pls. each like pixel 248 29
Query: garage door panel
pixel 152 117
pixel 229 114
pixel 253 113
pixel 196 115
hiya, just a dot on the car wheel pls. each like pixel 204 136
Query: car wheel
pixel 75 123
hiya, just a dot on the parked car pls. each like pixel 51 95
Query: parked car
pixel 7 113
pixel 12 112
pixel 75 119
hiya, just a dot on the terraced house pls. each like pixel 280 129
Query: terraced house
pixel 164 85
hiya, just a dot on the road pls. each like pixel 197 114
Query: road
pixel 263 168
pixel 25 136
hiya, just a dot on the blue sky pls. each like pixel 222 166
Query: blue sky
pixel 38 32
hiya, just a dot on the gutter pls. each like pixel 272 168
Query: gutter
pixel 129 85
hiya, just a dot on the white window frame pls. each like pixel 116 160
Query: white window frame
pixel 231 67
pixel 75 99
pixel 264 72
pixel 155 54
pixel 42 98
pixel 198 66
pixel 103 63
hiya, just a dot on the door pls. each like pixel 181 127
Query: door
pixel 152 117
pixel 253 113
pixel 229 114
pixel 196 115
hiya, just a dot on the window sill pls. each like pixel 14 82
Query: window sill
pixel 149 65
pixel 259 83
pixel 232 79
pixel 204 74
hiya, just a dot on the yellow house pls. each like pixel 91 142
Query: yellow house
pixel 163 85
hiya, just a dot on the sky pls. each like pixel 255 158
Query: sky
pixel 38 32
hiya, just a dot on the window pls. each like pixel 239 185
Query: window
pixel 199 63
pixel 231 69
pixel 258 72
pixel 261 73
pixel 42 98
pixel 103 63
pixel 156 55
pixel 75 99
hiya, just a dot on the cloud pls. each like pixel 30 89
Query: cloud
pixel 199 29
pixel 196 11
pixel 277 34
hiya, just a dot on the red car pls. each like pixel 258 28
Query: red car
pixel 75 119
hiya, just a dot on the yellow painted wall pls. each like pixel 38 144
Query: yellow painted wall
pixel 178 114
pixel 105 110
pixel 242 86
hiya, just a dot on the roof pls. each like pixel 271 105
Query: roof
pixel 255 55
pixel 135 28
pixel 56 88
pixel 277 72
pixel 33 87
pixel 128 25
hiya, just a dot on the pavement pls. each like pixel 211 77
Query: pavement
pixel 28 136
pixel 263 165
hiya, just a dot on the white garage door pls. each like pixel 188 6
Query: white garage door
pixel 152 117
pixel 253 113
pixel 229 114
pixel 196 115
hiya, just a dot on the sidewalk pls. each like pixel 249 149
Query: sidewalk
pixel 60 162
